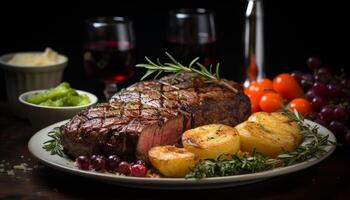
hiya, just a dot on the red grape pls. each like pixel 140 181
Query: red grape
pixel 138 170
pixel 124 168
pixel 83 162
pixel 310 95
pixel 327 113
pixel 337 128
pixel 340 114
pixel 334 89
pixel 306 84
pixel 313 62
pixel 297 75
pixel 112 162
pixel 323 75
pixel 98 162
pixel 320 89
pixel 318 102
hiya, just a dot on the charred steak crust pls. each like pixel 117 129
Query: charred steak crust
pixel 151 113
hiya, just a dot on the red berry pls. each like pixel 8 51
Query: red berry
pixel 112 162
pixel 124 168
pixel 83 162
pixel 98 162
pixel 138 170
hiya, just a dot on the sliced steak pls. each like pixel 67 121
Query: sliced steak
pixel 152 113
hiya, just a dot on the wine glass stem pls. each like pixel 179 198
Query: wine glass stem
pixel 110 90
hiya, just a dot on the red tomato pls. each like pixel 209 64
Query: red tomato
pixel 258 89
pixel 287 86
pixel 271 102
pixel 266 84
pixel 254 104
pixel 302 105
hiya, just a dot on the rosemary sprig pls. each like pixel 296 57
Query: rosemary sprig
pixel 313 147
pixel 236 165
pixel 197 69
pixel 54 145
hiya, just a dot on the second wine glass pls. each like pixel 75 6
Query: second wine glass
pixel 191 33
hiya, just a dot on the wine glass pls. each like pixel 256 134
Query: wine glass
pixel 109 51
pixel 191 33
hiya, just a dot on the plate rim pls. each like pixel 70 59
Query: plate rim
pixel 176 181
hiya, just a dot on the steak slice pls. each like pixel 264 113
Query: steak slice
pixel 152 113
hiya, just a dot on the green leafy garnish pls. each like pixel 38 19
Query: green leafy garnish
pixel 195 68
pixel 313 148
pixel 54 145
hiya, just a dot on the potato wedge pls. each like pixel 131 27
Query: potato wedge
pixel 269 134
pixel 211 141
pixel 172 161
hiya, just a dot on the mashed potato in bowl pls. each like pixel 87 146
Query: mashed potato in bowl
pixel 48 57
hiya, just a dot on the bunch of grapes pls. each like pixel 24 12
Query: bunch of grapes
pixel 329 95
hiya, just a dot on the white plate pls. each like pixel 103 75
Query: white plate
pixel 36 142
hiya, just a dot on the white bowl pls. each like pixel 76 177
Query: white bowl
pixel 21 79
pixel 41 116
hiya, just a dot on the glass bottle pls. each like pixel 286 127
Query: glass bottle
pixel 254 42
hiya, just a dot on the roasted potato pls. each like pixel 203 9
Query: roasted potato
pixel 279 122
pixel 172 161
pixel 269 134
pixel 211 141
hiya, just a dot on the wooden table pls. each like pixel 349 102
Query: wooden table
pixel 327 180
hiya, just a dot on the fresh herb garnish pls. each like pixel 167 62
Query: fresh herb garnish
pixel 197 69
pixel 54 145
pixel 313 148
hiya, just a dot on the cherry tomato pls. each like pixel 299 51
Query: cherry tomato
pixel 254 104
pixel 266 84
pixel 287 86
pixel 302 105
pixel 258 89
pixel 271 102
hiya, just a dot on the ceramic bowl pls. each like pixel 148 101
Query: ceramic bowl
pixel 42 116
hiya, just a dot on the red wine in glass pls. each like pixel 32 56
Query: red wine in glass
pixel 186 52
pixel 109 60
pixel 190 34
pixel 109 51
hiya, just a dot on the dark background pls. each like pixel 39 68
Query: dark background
pixel 294 30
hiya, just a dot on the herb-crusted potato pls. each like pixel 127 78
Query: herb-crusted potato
pixel 172 161
pixel 269 134
pixel 211 141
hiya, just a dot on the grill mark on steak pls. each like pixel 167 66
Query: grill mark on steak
pixel 151 113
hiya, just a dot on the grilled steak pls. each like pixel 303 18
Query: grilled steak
pixel 152 113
